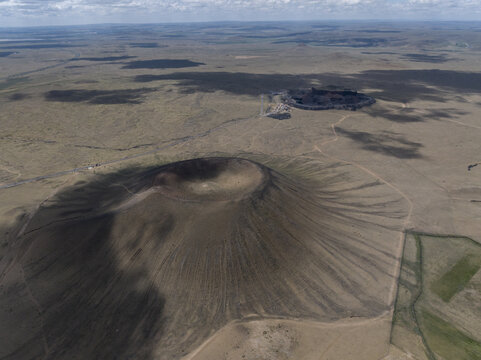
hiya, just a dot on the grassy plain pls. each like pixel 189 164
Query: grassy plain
pixel 118 98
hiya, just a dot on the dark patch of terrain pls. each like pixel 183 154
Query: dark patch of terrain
pixel 32 41
pixel 458 82
pixel 435 59
pixel 411 115
pixel 105 97
pixel 472 166
pixel 147 45
pixel 18 96
pixel 385 143
pixel 359 42
pixel 162 64
pixel 260 27
pixel 173 36
pixel 236 83
pixel 280 116
pixel 106 58
pixel 380 31
pixel 378 53
pixel 6 53
pixel 325 27
pixel 41 46
pixel 270 36
pixel 393 85
pixel 86 81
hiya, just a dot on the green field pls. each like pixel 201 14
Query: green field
pixel 457 277
pixel 447 341
pixel 436 281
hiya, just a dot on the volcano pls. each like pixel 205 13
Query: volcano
pixel 148 263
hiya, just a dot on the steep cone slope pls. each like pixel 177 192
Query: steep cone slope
pixel 148 264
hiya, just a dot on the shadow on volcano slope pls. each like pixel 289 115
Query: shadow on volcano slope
pixel 219 238
pixel 69 287
pixel 393 85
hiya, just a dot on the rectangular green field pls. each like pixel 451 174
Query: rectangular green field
pixel 457 277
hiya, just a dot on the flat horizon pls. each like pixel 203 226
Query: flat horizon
pixel 307 21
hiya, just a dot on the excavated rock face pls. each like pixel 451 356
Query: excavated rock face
pixel 148 263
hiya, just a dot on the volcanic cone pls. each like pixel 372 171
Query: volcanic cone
pixel 148 263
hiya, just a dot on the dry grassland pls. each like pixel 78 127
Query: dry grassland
pixel 294 252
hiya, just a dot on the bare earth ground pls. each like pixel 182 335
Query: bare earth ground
pixel 59 112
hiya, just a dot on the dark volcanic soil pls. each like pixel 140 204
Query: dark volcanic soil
pixel 147 263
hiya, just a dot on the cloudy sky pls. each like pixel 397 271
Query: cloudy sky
pixel 56 12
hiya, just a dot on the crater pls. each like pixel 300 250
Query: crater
pixel 211 179
pixel 319 99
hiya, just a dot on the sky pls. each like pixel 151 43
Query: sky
pixel 71 12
